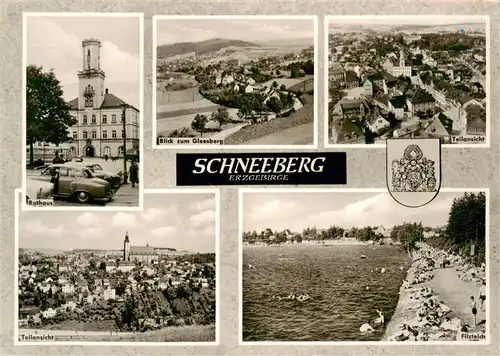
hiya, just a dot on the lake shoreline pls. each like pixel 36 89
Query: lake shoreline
pixel 336 242
pixel 421 314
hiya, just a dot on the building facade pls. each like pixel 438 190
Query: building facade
pixel 100 115
pixel 402 69
pixel 143 254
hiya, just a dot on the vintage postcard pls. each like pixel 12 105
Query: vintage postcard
pixel 355 266
pixel 407 77
pixel 82 100
pixel 123 277
pixel 243 81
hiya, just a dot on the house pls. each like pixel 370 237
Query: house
pixel 62 280
pixel 378 123
pixel 109 293
pixel 466 101
pixel 397 105
pixel 351 80
pixel 49 313
pixel 105 282
pixel 410 128
pixel 63 269
pixel 345 131
pixel 236 88
pixel 420 100
pixel 250 81
pixel 227 79
pixel 351 108
pixel 440 127
pixel 68 288
pixel 69 305
pixel 126 267
pixel 149 271
pixel 368 88
pixel 336 73
pixel 249 88
pixel 476 126
pixel 86 297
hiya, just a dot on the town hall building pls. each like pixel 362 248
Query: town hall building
pixel 99 129
pixel 143 254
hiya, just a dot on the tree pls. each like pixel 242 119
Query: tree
pixel 184 132
pixel 47 114
pixel 199 122
pixel 102 265
pixel 275 105
pixel 467 223
pixel 221 116
pixel 275 84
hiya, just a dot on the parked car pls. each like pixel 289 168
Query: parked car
pixel 115 179
pixel 38 190
pixel 76 181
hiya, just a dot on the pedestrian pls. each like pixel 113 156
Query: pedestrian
pixel 55 180
pixel 473 306
pixel 134 173
pixel 482 295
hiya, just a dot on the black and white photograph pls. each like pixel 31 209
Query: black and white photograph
pixel 408 77
pixel 234 81
pixel 82 110
pixel 139 277
pixel 354 265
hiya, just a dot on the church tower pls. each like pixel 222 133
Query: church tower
pixel 91 77
pixel 126 248
pixel 401 58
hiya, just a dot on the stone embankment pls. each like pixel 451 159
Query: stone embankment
pixel 421 314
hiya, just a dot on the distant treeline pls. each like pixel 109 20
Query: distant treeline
pixel 198 258
pixel 465 227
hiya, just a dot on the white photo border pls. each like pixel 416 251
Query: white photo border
pixel 244 191
pixel 237 17
pixel 327 19
pixel 140 16
pixel 18 194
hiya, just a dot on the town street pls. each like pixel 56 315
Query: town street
pixel 125 196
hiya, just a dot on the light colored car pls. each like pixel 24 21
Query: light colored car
pixel 36 189
pixel 76 181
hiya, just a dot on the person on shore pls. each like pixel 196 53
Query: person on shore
pixel 473 306
pixel 134 173
pixel 482 295
pixel 55 181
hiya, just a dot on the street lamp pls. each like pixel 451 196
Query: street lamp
pixel 124 107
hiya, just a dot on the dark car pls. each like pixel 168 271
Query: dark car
pixel 115 179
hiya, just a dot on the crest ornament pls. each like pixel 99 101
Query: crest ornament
pixel 413 170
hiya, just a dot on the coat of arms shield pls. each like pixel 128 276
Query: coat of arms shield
pixel 413 170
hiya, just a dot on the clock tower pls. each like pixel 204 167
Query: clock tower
pixel 91 77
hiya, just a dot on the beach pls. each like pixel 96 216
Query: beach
pixel 434 300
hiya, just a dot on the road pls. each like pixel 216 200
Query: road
pixel 456 294
pixel 297 135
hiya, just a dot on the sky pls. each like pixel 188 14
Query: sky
pixel 181 221
pixel 296 211
pixel 426 20
pixel 56 43
pixel 256 30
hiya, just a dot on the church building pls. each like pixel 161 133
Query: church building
pixel 99 130
pixel 144 254
pixel 402 69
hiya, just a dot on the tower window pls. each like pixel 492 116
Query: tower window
pixel 94 134
pixel 113 119
pixel 113 134
pixel 104 134
pixel 104 119
pixel 75 135
pixel 84 119
pixel 84 134
pixel 93 119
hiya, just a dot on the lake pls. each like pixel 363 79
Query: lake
pixel 335 277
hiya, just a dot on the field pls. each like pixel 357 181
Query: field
pixel 191 333
pixel 278 128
